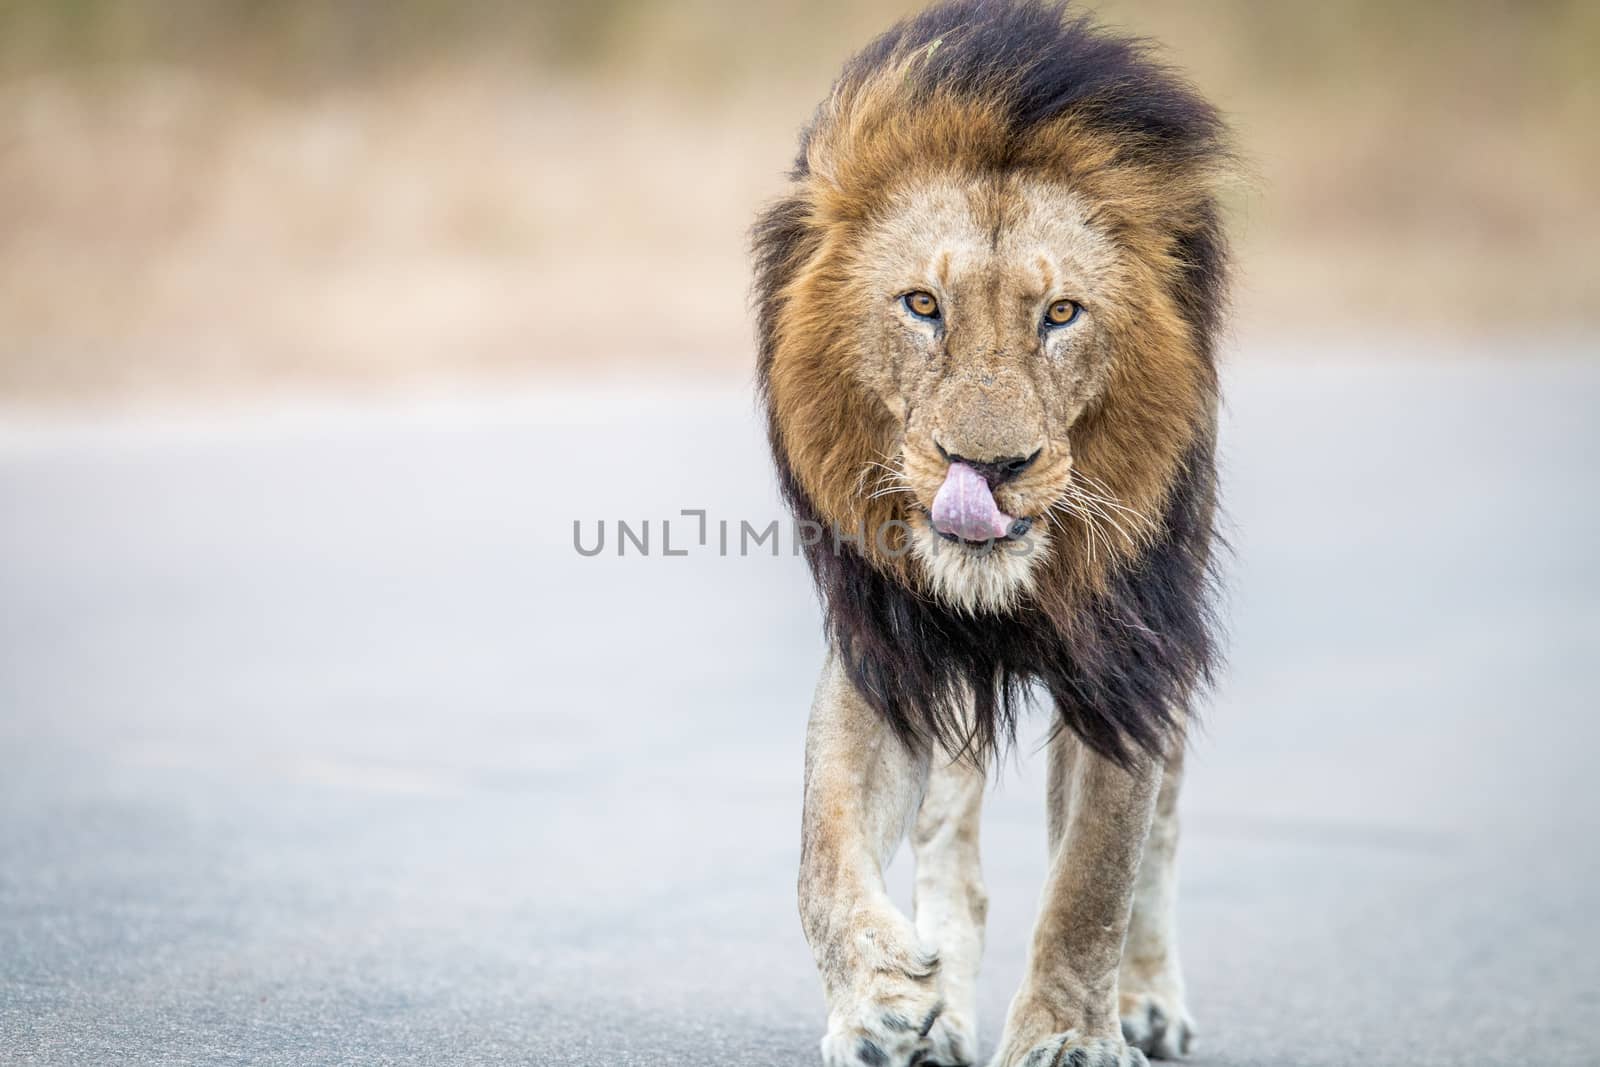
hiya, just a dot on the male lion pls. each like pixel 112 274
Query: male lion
pixel 987 314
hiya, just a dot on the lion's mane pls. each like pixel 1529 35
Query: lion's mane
pixel 978 87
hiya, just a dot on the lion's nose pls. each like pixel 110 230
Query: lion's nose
pixel 995 471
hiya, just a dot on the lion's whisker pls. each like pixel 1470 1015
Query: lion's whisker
pixel 1109 501
pixel 889 490
pixel 1096 520
pixel 1092 532
pixel 1106 496
pixel 1092 510
pixel 1144 529
pixel 1096 507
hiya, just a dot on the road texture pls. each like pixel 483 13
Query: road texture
pixel 320 743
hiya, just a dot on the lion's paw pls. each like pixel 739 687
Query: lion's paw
pixel 1160 1025
pixel 885 1032
pixel 953 1042
pixel 1072 1050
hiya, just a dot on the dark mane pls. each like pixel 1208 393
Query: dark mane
pixel 1122 664
pixel 1038 62
pixel 1118 674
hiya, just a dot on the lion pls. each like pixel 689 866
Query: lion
pixel 987 310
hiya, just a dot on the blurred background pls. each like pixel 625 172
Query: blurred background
pixel 322 324
pixel 207 197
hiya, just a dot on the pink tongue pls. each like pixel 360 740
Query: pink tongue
pixel 965 508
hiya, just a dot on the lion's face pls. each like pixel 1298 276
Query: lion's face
pixel 998 352
pixel 996 361
pixel 986 311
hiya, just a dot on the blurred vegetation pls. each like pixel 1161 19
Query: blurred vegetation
pixel 1543 48
pixel 227 193
pixel 287 43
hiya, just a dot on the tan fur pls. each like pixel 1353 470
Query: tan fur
pixel 1104 952
pixel 938 197
pixel 950 903
pixel 1150 985
pixel 1100 815
pixel 862 788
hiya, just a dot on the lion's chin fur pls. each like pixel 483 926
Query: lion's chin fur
pixel 993 579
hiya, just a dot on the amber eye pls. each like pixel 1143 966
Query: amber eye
pixel 921 304
pixel 1061 313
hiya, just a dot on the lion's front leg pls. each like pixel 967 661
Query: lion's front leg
pixel 950 902
pixel 862 785
pixel 1066 1010
pixel 1154 1014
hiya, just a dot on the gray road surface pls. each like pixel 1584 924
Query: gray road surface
pixel 320 744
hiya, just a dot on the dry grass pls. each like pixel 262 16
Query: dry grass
pixel 187 216
pixel 175 238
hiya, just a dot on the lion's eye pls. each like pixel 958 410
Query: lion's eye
pixel 921 304
pixel 1061 313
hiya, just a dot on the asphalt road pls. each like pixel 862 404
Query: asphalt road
pixel 320 743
